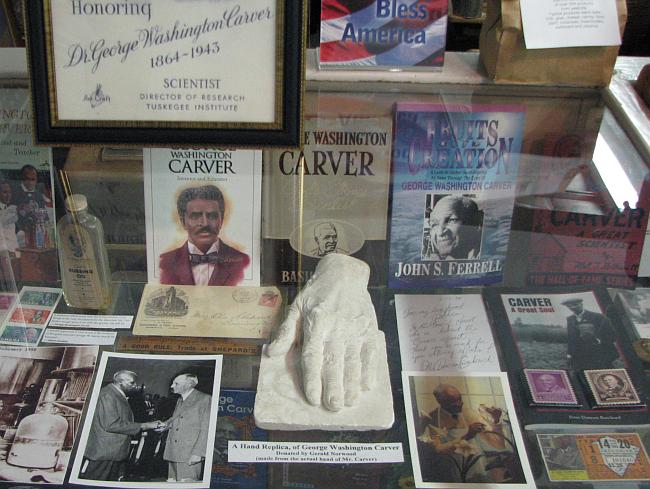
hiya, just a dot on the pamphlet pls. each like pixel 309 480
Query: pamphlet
pixel 382 33
pixel 202 210
pixel 454 177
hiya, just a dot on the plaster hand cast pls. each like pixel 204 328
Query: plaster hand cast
pixel 339 332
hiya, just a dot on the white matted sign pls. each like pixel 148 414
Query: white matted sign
pixel 229 66
pixel 569 23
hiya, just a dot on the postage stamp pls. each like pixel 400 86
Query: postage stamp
pixel 39 298
pixel 611 387
pixel 550 387
pixel 30 316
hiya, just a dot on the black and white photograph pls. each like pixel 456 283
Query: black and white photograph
pixel 636 304
pixel 150 421
pixel 42 396
pixel 452 229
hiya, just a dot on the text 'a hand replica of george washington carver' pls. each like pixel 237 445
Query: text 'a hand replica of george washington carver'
pixel 339 329
pixel 204 259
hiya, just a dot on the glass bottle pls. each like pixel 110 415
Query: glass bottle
pixel 85 273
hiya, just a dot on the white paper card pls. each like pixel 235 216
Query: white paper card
pixel 569 23
pixel 88 321
pixel 319 453
pixel 444 333
pixel 76 337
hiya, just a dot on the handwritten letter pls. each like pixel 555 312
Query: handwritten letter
pixel 444 333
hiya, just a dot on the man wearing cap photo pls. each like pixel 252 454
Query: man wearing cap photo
pixel 591 342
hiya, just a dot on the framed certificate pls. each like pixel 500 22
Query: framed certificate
pixel 172 72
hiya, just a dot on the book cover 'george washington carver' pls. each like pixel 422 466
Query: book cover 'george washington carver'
pixel 454 176
pixel 203 216
pixel 339 183
pixel 380 33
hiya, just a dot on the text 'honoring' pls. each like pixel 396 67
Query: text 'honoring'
pixel 111 8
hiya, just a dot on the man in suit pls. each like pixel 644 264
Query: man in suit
pixel 111 430
pixel 187 438
pixel 203 259
pixel 591 342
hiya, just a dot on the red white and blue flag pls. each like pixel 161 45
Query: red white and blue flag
pixel 383 32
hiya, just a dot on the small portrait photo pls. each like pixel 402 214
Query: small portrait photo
pixel 463 431
pixel 151 422
pixel 167 302
pixel 452 228
pixel 550 387
pixel 322 237
pixel 611 387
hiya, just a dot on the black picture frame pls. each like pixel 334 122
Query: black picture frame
pixel 287 130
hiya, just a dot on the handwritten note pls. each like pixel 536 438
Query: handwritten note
pixel 444 333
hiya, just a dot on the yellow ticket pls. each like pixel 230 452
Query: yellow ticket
pixel 594 457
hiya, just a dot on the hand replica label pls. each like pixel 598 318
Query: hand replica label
pixel 324 453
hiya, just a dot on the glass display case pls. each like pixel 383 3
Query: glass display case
pixel 503 229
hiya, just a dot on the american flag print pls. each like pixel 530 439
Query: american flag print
pixel 378 33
